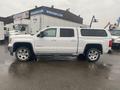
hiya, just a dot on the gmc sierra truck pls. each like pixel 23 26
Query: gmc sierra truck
pixel 63 41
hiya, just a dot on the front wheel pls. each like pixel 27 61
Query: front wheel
pixel 23 54
pixel 92 55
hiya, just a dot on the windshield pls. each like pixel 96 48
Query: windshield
pixel 115 32
pixel 17 28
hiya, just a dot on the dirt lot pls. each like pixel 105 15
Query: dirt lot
pixel 59 73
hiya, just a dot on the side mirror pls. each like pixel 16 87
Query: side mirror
pixel 22 29
pixel 41 35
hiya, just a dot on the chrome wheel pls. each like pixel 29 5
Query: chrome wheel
pixel 23 54
pixel 93 55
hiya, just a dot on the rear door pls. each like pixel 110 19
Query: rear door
pixel 67 41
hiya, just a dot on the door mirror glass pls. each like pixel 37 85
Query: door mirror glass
pixel 48 33
pixel 22 29
pixel 41 34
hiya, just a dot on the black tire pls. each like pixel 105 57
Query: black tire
pixel 23 54
pixel 81 57
pixel 33 57
pixel 92 54
pixel 110 52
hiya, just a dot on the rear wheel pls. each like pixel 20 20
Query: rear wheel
pixel 23 54
pixel 92 55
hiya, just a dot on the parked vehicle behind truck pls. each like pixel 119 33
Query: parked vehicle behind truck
pixel 19 29
pixel 116 38
pixel 65 41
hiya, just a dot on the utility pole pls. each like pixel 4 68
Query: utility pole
pixel 108 24
pixel 93 20
pixel 118 20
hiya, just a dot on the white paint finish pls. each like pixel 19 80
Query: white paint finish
pixel 9 26
pixel 22 21
pixel 2 33
pixel 35 24
pixel 53 21
pixel 21 38
pixel 41 21
pixel 46 44
pixel 84 40
pixel 57 44
pixel 25 23
pixel 69 45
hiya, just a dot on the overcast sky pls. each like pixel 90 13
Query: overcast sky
pixel 104 10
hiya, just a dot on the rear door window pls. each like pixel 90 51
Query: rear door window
pixel 66 32
pixel 93 32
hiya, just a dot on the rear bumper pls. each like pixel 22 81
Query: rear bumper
pixel 10 49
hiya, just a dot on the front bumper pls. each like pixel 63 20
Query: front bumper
pixel 10 49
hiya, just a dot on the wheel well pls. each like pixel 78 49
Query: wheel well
pixel 17 45
pixel 97 46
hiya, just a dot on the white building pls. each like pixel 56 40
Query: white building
pixel 43 17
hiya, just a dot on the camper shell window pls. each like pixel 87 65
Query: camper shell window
pixel 93 32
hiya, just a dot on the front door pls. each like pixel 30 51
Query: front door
pixel 47 43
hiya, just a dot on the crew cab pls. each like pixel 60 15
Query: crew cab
pixel 63 41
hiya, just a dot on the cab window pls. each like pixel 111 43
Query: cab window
pixel 65 32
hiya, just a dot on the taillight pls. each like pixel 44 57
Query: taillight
pixel 110 43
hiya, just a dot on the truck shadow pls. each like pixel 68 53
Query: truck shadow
pixel 44 66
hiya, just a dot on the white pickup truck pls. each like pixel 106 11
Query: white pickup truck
pixel 65 41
